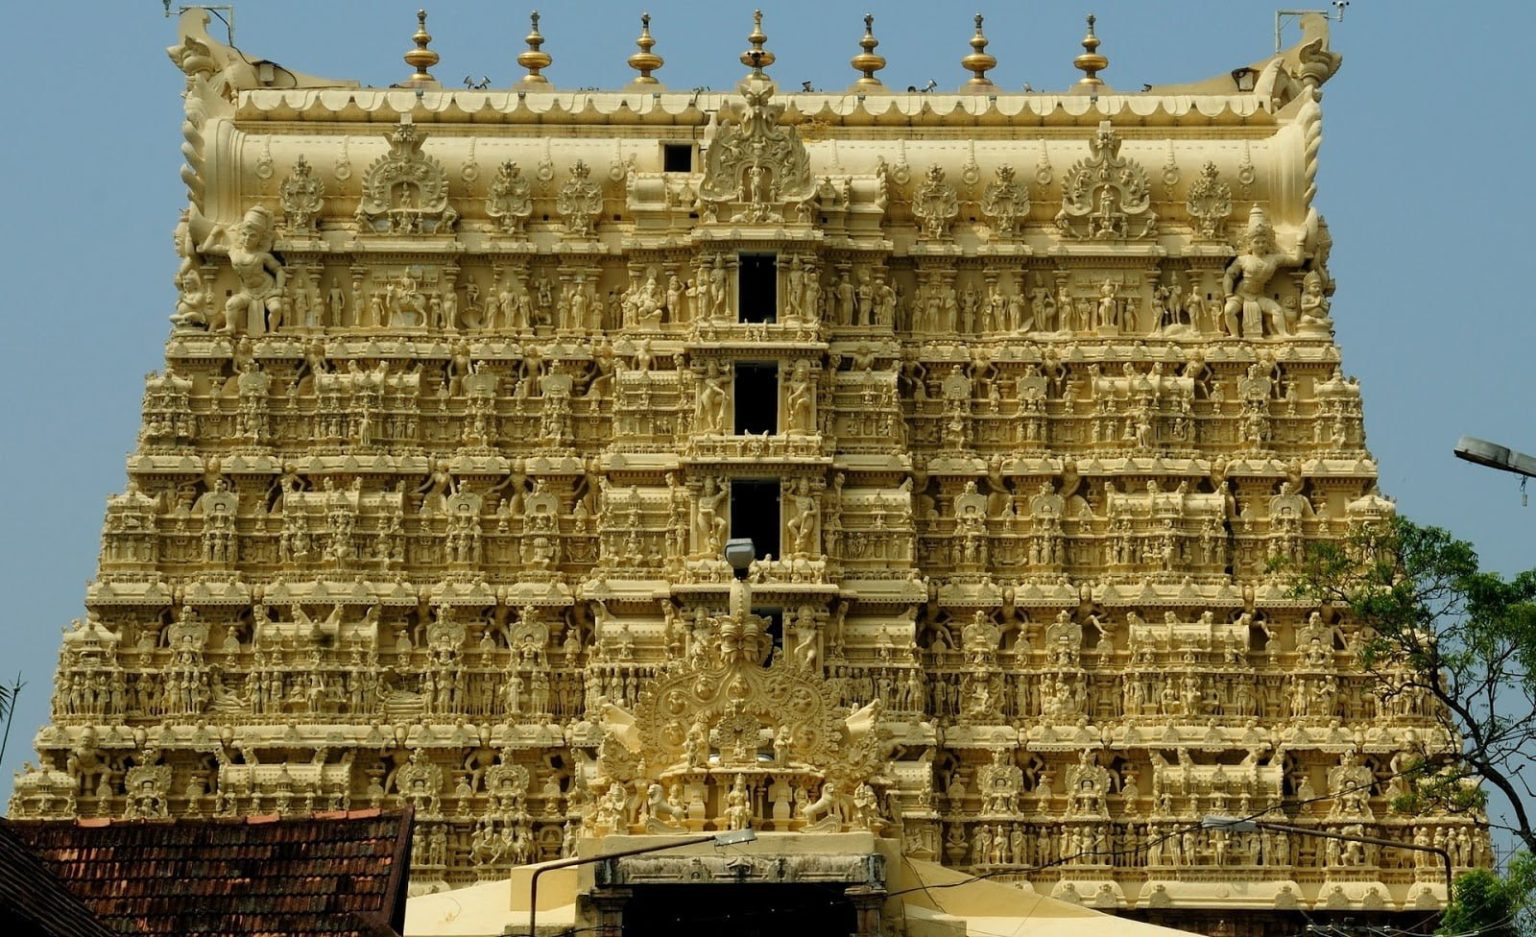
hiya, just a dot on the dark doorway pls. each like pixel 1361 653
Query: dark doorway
pixel 739 910
pixel 758 276
pixel 775 624
pixel 756 398
pixel 755 513
pixel 677 157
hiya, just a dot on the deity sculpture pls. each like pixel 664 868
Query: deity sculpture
pixel 259 305
pixel 1247 307
pixel 712 400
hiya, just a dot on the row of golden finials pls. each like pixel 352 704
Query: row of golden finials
pixel 757 58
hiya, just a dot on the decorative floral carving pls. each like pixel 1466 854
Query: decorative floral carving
pixel 1005 201
pixel 935 205
pixel 1209 203
pixel 580 202
pixel 1106 196
pixel 302 196
pixel 510 202
pixel 755 161
pixel 406 191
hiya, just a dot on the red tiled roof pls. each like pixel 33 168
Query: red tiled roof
pixel 339 874
pixel 34 901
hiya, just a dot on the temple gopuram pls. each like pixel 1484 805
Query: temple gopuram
pixel 1023 399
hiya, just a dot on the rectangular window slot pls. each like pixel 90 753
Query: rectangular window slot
pixel 755 513
pixel 677 157
pixel 775 626
pixel 756 397
pixel 758 287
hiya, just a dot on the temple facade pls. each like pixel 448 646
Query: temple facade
pixel 1019 398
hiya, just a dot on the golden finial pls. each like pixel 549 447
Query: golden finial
pixel 421 58
pixel 535 58
pixel 645 61
pixel 1091 62
pixel 867 61
pixel 757 58
pixel 979 62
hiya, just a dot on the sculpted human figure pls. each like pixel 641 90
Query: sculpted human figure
pixel 738 809
pixel 261 277
pixel 795 291
pixel 449 311
pixel 845 293
pixel 407 303
pixel 811 306
pixel 949 304
pixel 675 290
pixel 799 398
pixel 802 522
pixel 864 299
pixel 885 304
pixel 191 302
pixel 1246 305
pixel 337 300
pixel 1314 304
pixel 1109 302
pixel 712 518
pixel 712 399
pixel 995 310
pixel 970 301
pixel 576 305
pixel 1018 320
pixel 718 287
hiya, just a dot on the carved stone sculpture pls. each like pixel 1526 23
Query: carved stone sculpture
pixel 580 202
pixel 405 191
pixel 510 202
pixel 1106 196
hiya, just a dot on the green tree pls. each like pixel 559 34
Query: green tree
pixel 1435 626
pixel 1489 906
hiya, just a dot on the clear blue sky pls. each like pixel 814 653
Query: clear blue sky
pixel 1427 130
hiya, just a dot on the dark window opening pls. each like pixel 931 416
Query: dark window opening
pixel 775 626
pixel 745 910
pixel 677 157
pixel 756 398
pixel 1258 638
pixel 755 514
pixel 758 276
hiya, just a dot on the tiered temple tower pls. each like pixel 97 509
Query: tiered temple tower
pixel 1019 396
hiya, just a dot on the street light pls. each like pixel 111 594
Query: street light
pixel 1494 456
pixel 1249 825
pixel 728 838
pixel 739 552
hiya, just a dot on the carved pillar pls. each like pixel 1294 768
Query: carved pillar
pixel 608 904
pixel 867 900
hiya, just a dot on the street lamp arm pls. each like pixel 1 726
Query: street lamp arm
pixel 1495 456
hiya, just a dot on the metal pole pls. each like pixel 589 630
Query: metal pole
pixel 533 885
pixel 1444 855
pixel 14 692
